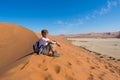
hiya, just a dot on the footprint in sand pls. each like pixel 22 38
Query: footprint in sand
pixel 106 67
pixel 97 54
pixel 118 59
pixel 88 60
pixel 69 64
pixel 101 76
pixel 24 65
pixel 43 61
pixel 45 69
pixel 111 70
pixel 91 77
pixel 112 58
pixel 92 67
pixel 78 62
pixel 68 77
pixel 101 56
pixel 48 77
pixel 39 65
pixel 57 69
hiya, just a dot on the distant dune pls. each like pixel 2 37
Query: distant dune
pixel 95 35
pixel 74 63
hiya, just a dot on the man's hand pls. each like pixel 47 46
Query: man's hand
pixel 58 44
pixel 55 42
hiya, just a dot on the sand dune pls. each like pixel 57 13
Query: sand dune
pixel 74 64
pixel 15 41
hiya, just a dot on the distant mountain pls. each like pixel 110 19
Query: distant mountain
pixel 95 35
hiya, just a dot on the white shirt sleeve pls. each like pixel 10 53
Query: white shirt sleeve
pixel 43 41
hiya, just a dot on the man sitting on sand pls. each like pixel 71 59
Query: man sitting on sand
pixel 46 45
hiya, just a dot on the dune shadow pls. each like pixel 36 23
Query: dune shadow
pixel 25 56
pixel 31 53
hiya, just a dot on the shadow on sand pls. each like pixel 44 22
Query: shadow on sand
pixel 25 55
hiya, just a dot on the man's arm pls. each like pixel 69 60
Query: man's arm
pixel 54 42
pixel 58 44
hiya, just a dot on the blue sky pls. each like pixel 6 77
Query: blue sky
pixel 63 16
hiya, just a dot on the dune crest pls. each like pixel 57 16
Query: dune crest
pixel 74 64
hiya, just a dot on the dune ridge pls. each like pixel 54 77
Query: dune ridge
pixel 74 64
pixel 94 35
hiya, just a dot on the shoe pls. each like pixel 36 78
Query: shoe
pixel 55 54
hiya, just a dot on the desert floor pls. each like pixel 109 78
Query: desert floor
pixel 105 46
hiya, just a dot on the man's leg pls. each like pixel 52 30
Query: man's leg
pixel 53 49
pixel 48 48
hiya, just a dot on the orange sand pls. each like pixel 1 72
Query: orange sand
pixel 74 64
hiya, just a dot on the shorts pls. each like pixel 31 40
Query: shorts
pixel 46 49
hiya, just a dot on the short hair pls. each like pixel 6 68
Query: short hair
pixel 44 31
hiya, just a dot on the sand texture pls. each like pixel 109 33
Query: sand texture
pixel 74 63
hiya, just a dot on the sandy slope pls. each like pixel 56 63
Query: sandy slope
pixel 15 41
pixel 74 64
